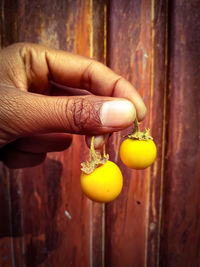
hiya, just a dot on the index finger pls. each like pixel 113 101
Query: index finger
pixel 80 72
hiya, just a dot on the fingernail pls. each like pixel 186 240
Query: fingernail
pixel 99 140
pixel 117 113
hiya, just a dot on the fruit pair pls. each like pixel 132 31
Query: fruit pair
pixel 102 180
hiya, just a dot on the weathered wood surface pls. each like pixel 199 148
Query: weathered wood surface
pixel 50 222
pixel 137 51
pixel 44 218
pixel 180 239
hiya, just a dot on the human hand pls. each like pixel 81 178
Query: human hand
pixel 37 116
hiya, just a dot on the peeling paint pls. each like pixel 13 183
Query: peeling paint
pixel 68 215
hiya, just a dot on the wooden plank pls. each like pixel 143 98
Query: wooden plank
pixel 46 219
pixel 8 22
pixel 159 68
pixel 9 33
pixel 181 229
pixel 61 234
pixel 98 34
pixel 57 224
pixel 6 247
pixel 54 237
pixel 132 224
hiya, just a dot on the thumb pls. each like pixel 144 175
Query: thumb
pixel 24 113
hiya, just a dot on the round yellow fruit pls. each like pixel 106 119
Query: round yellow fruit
pixel 104 184
pixel 138 154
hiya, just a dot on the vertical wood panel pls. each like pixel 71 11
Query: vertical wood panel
pixel 6 248
pixel 159 70
pixel 46 219
pixel 9 34
pixel 51 192
pixel 181 229
pixel 54 223
pixel 137 51
pixel 98 17
pixel 8 22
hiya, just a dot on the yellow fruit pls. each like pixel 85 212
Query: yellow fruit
pixel 104 184
pixel 138 154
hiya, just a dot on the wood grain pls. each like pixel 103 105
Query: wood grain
pixel 159 83
pixel 45 220
pixel 8 229
pixel 6 245
pixel 180 237
pixel 137 52
pixel 52 222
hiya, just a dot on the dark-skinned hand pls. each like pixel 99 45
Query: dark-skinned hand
pixel 46 95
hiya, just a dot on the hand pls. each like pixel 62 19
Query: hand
pixel 37 116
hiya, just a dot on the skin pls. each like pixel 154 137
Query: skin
pixel 47 95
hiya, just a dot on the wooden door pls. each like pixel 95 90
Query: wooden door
pixel 45 220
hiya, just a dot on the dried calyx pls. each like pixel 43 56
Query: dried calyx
pixel 138 135
pixel 95 160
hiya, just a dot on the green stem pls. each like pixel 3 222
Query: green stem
pixel 95 160
pixel 104 150
pixel 137 134
pixel 92 150
pixel 137 128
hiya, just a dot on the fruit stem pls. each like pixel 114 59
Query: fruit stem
pixel 95 159
pixel 137 134
pixel 104 150
pixel 92 150
pixel 137 128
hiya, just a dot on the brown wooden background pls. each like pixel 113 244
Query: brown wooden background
pixel 45 220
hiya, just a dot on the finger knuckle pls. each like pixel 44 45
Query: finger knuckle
pixel 83 114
